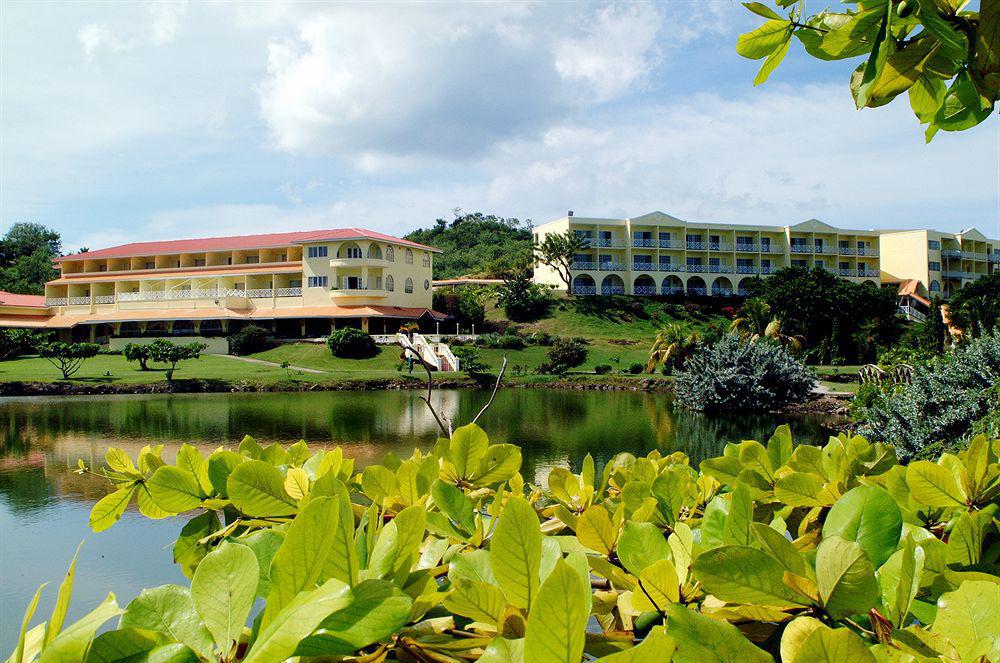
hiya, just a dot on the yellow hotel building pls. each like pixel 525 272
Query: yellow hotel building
pixel 297 284
pixel 658 254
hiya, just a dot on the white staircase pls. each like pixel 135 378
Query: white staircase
pixel 912 313
pixel 438 355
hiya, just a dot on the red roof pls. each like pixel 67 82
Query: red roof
pixel 14 299
pixel 238 242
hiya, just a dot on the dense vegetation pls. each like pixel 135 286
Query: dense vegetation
pixel 351 343
pixel 26 253
pixel 975 308
pixel 839 322
pixel 735 374
pixel 477 244
pixel 772 551
pixel 945 57
pixel 250 340
pixel 943 403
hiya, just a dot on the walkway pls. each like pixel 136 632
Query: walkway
pixel 271 363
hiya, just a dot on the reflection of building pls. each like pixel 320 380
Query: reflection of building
pixel 657 254
pixel 295 283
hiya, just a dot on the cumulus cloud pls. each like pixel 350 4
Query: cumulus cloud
pixel 97 37
pixel 166 19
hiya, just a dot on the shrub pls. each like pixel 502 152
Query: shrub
pixel 137 352
pixel 166 352
pixel 352 343
pixel 635 368
pixel 523 299
pixel 602 369
pixel 540 338
pixel 709 549
pixel 942 403
pixel 68 357
pixel 509 340
pixel 250 340
pixel 734 375
pixel 17 342
pixel 464 304
pixel 566 353
pixel 469 360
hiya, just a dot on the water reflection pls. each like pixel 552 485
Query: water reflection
pixel 44 504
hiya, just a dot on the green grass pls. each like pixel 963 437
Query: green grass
pixel 318 356
pixel 96 369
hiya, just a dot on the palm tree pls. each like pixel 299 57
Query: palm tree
pixel 673 345
pixel 756 322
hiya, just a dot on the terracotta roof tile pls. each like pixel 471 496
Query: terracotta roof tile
pixel 14 299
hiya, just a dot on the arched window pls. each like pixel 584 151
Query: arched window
pixel 935 286
pixel 408 285
pixel 390 284
pixel 375 252
pixel 409 257
pixel 427 260
pixel 390 255
pixel 351 251
pixel 427 284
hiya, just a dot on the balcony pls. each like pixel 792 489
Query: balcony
pixel 768 270
pixel 56 301
pixel 863 273
pixel 585 290
pixel 847 251
pixel 697 269
pixel 951 273
pixel 995 257
pixel 697 246
pixel 697 291
pixel 747 248
pixel 175 295
pixel 611 267
pixel 826 250
pixel 671 244
pixel 612 290
pixel 720 269
pixel 670 267
pixel 747 269
pixel 645 290
pixel 951 253
pixel 583 265
pixel 801 248
pixel 767 248
pixel 720 246
pixel 673 290
pixel 643 267
pixel 872 253
pixel 606 242
pixel 644 243
pixel 366 291
pixel 361 262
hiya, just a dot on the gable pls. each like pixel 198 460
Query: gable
pixel 814 225
pixel 657 217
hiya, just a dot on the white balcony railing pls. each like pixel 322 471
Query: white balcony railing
pixel 56 301
pixel 951 274
pixel 801 248
pixel 288 292
pixel 79 301
pixel 766 248
pixel 608 243
pixel 768 270
pixel 611 267
pixel 697 291
pixel 995 256
pixel 672 244
pixel 583 265
pixel 104 299
pixel 257 293
pixel 951 253
pixel 720 269
pixel 612 290
pixel 696 246
pixel 747 248
pixel 747 269
pixel 585 290
pixel 643 243
pixel 868 272
pixel 670 267
pixel 643 267
pixel 872 253
pixel 673 290
pixel 644 289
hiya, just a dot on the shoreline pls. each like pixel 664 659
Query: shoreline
pixel 819 404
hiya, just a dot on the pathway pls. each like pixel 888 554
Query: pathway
pixel 271 363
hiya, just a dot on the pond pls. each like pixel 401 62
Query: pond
pixel 44 505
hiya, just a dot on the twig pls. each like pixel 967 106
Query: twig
pixel 408 347
pixel 503 367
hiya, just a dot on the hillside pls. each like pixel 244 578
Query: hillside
pixel 476 244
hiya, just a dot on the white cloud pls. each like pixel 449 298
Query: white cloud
pixel 617 51
pixel 166 19
pixel 97 37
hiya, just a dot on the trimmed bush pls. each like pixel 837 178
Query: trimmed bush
pixel 635 368
pixel 942 403
pixel 351 343
pixel 249 340
pixel 469 359
pixel 602 369
pixel 566 353
pixel 734 375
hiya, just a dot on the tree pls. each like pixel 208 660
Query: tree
pixel 165 352
pixel 138 352
pixel 946 59
pixel 564 354
pixel 464 304
pixel 16 342
pixel 25 238
pixel 26 253
pixel 557 251
pixel 476 244
pixel 673 345
pixel 68 357
pixel 975 308
pixel 521 298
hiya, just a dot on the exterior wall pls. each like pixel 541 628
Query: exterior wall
pixel 659 254
pixel 216 345
pixel 942 262
pixel 905 256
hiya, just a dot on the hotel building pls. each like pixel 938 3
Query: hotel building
pixel 657 254
pixel 297 284
pixel 938 263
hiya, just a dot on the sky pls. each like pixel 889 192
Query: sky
pixel 154 120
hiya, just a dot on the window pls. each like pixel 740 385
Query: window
pixel 844 266
pixel 317 281
pixel 229 260
pixel 390 284
pixel 714 262
pixel 694 261
pixel 818 243
pixel 427 284
pixel 102 268
pixel 798 263
pixel 844 244
pixel 765 263
pixel 294 283
pixel 664 237
pixel 765 244
pixel 281 257
pixel 583 234
pixel 427 260
pixel 694 238
pixel 390 255
pixel 821 264
pixel 253 260
pixel 199 262
pixel 408 284
pixel 744 262
pixel 798 241
pixel 933 245
pixel 316 252
pixel 581 257
pixel 935 286
pixel 664 261
pixel 604 259
pixel 409 257
pixel 150 264
pixel 742 242
pixel 934 266
pixel 643 260
pixel 350 252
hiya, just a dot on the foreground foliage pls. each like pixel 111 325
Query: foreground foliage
pixel 733 374
pixel 946 58
pixel 803 553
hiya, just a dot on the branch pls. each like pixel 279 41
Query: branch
pixel 408 347
pixel 503 368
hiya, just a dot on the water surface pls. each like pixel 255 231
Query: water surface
pixel 44 505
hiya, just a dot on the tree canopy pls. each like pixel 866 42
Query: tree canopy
pixel 26 253
pixel 477 244
pixel 946 58
pixel 976 306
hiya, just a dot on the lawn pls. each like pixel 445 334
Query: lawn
pixel 114 369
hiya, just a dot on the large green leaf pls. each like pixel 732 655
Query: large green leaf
pixel 737 528
pixel 764 40
pixel 516 552
pixel 378 610
pixel 169 609
pixel 62 601
pixel 969 618
pixel 899 580
pixel 110 508
pixel 455 504
pixel 657 586
pixel 174 490
pixel 933 485
pixel 126 645
pixel 701 639
pixel 500 463
pixel 300 560
pixel 223 589
pixel 29 612
pixel 739 574
pixel 656 646
pixel 398 544
pixel 257 489
pixel 476 600
pixel 279 639
pixel 845 578
pixel 869 516
pixel 781 549
pixel 795 634
pixel 468 448
pixel 595 530
pixel 557 622
pixel 833 645
pixel 73 643
pixel 640 545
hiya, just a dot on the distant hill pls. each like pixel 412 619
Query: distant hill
pixel 477 244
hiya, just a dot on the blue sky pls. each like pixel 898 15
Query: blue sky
pixel 127 121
